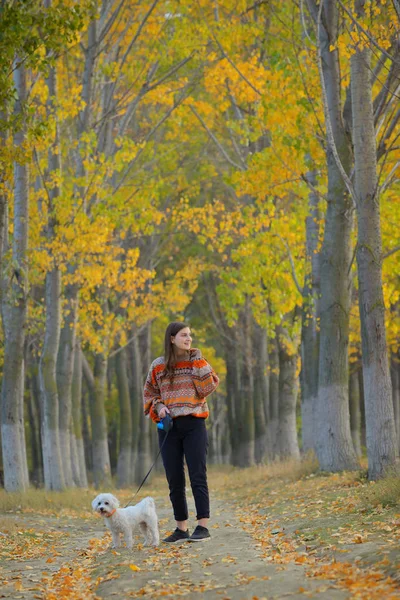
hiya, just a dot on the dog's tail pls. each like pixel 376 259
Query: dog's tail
pixel 149 503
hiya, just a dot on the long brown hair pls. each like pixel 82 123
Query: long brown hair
pixel 169 350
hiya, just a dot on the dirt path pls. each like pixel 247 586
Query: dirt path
pixel 228 566
pixel 73 554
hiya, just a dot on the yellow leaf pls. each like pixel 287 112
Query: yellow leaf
pixel 134 568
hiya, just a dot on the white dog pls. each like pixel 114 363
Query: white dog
pixel 124 520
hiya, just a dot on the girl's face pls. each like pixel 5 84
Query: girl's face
pixel 182 340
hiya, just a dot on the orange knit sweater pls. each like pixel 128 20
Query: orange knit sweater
pixel 193 380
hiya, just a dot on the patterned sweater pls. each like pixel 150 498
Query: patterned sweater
pixel 193 380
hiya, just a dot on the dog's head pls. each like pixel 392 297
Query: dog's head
pixel 104 504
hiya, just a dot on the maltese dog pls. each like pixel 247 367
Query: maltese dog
pixel 124 520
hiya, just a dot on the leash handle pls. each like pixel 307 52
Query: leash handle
pixel 148 473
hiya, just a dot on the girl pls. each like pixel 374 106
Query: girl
pixel 178 384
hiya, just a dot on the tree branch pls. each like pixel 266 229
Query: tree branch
pixel 303 22
pixel 294 276
pixel 390 252
pixel 216 142
pixel 391 128
pixel 138 332
pixel 389 178
pixel 146 139
pixel 396 5
pixel 224 54
pixel 365 32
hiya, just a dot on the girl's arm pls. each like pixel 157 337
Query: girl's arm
pixel 204 377
pixel 151 396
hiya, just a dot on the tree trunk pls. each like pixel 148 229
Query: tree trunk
pixel 125 418
pixel 4 177
pixel 261 393
pixel 136 395
pixel 144 454
pixel 65 366
pixel 52 463
pixel 226 450
pixel 246 426
pixel 355 411
pixel 97 390
pixel 232 390
pixel 70 429
pixel 288 390
pixel 310 317
pixel 14 307
pixel 35 420
pixel 143 459
pixel 273 428
pixel 86 434
pixel 217 431
pixel 379 416
pixel 334 446
pixel 79 462
pixel 362 408
pixel 395 374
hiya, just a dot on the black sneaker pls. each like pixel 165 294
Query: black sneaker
pixel 200 534
pixel 177 536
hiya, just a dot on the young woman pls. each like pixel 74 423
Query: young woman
pixel 178 384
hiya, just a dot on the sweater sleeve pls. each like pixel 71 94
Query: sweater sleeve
pixel 151 395
pixel 204 377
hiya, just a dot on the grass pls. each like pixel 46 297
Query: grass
pixel 227 478
pixel 77 501
pixel 8 526
pixel 39 500
pixel 385 492
pixel 224 479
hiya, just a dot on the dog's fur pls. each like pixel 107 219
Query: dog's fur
pixel 125 520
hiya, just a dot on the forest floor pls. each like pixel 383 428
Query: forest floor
pixel 277 532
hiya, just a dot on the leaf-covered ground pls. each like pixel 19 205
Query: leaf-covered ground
pixel 272 537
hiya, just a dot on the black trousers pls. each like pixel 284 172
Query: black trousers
pixel 187 439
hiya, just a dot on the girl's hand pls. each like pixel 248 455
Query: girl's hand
pixel 163 411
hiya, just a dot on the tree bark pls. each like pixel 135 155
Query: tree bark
pixel 144 454
pixel 53 464
pixel 65 366
pixel 136 396
pixel 246 425
pixel 124 466
pixel 35 420
pixel 382 448
pixel 79 462
pixel 261 393
pixel 273 428
pixel 355 411
pixel 334 446
pixel 288 390
pixel 4 177
pixel 395 375
pixel 96 382
pixel 86 434
pixel 14 310
pixel 232 390
pixel 310 329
